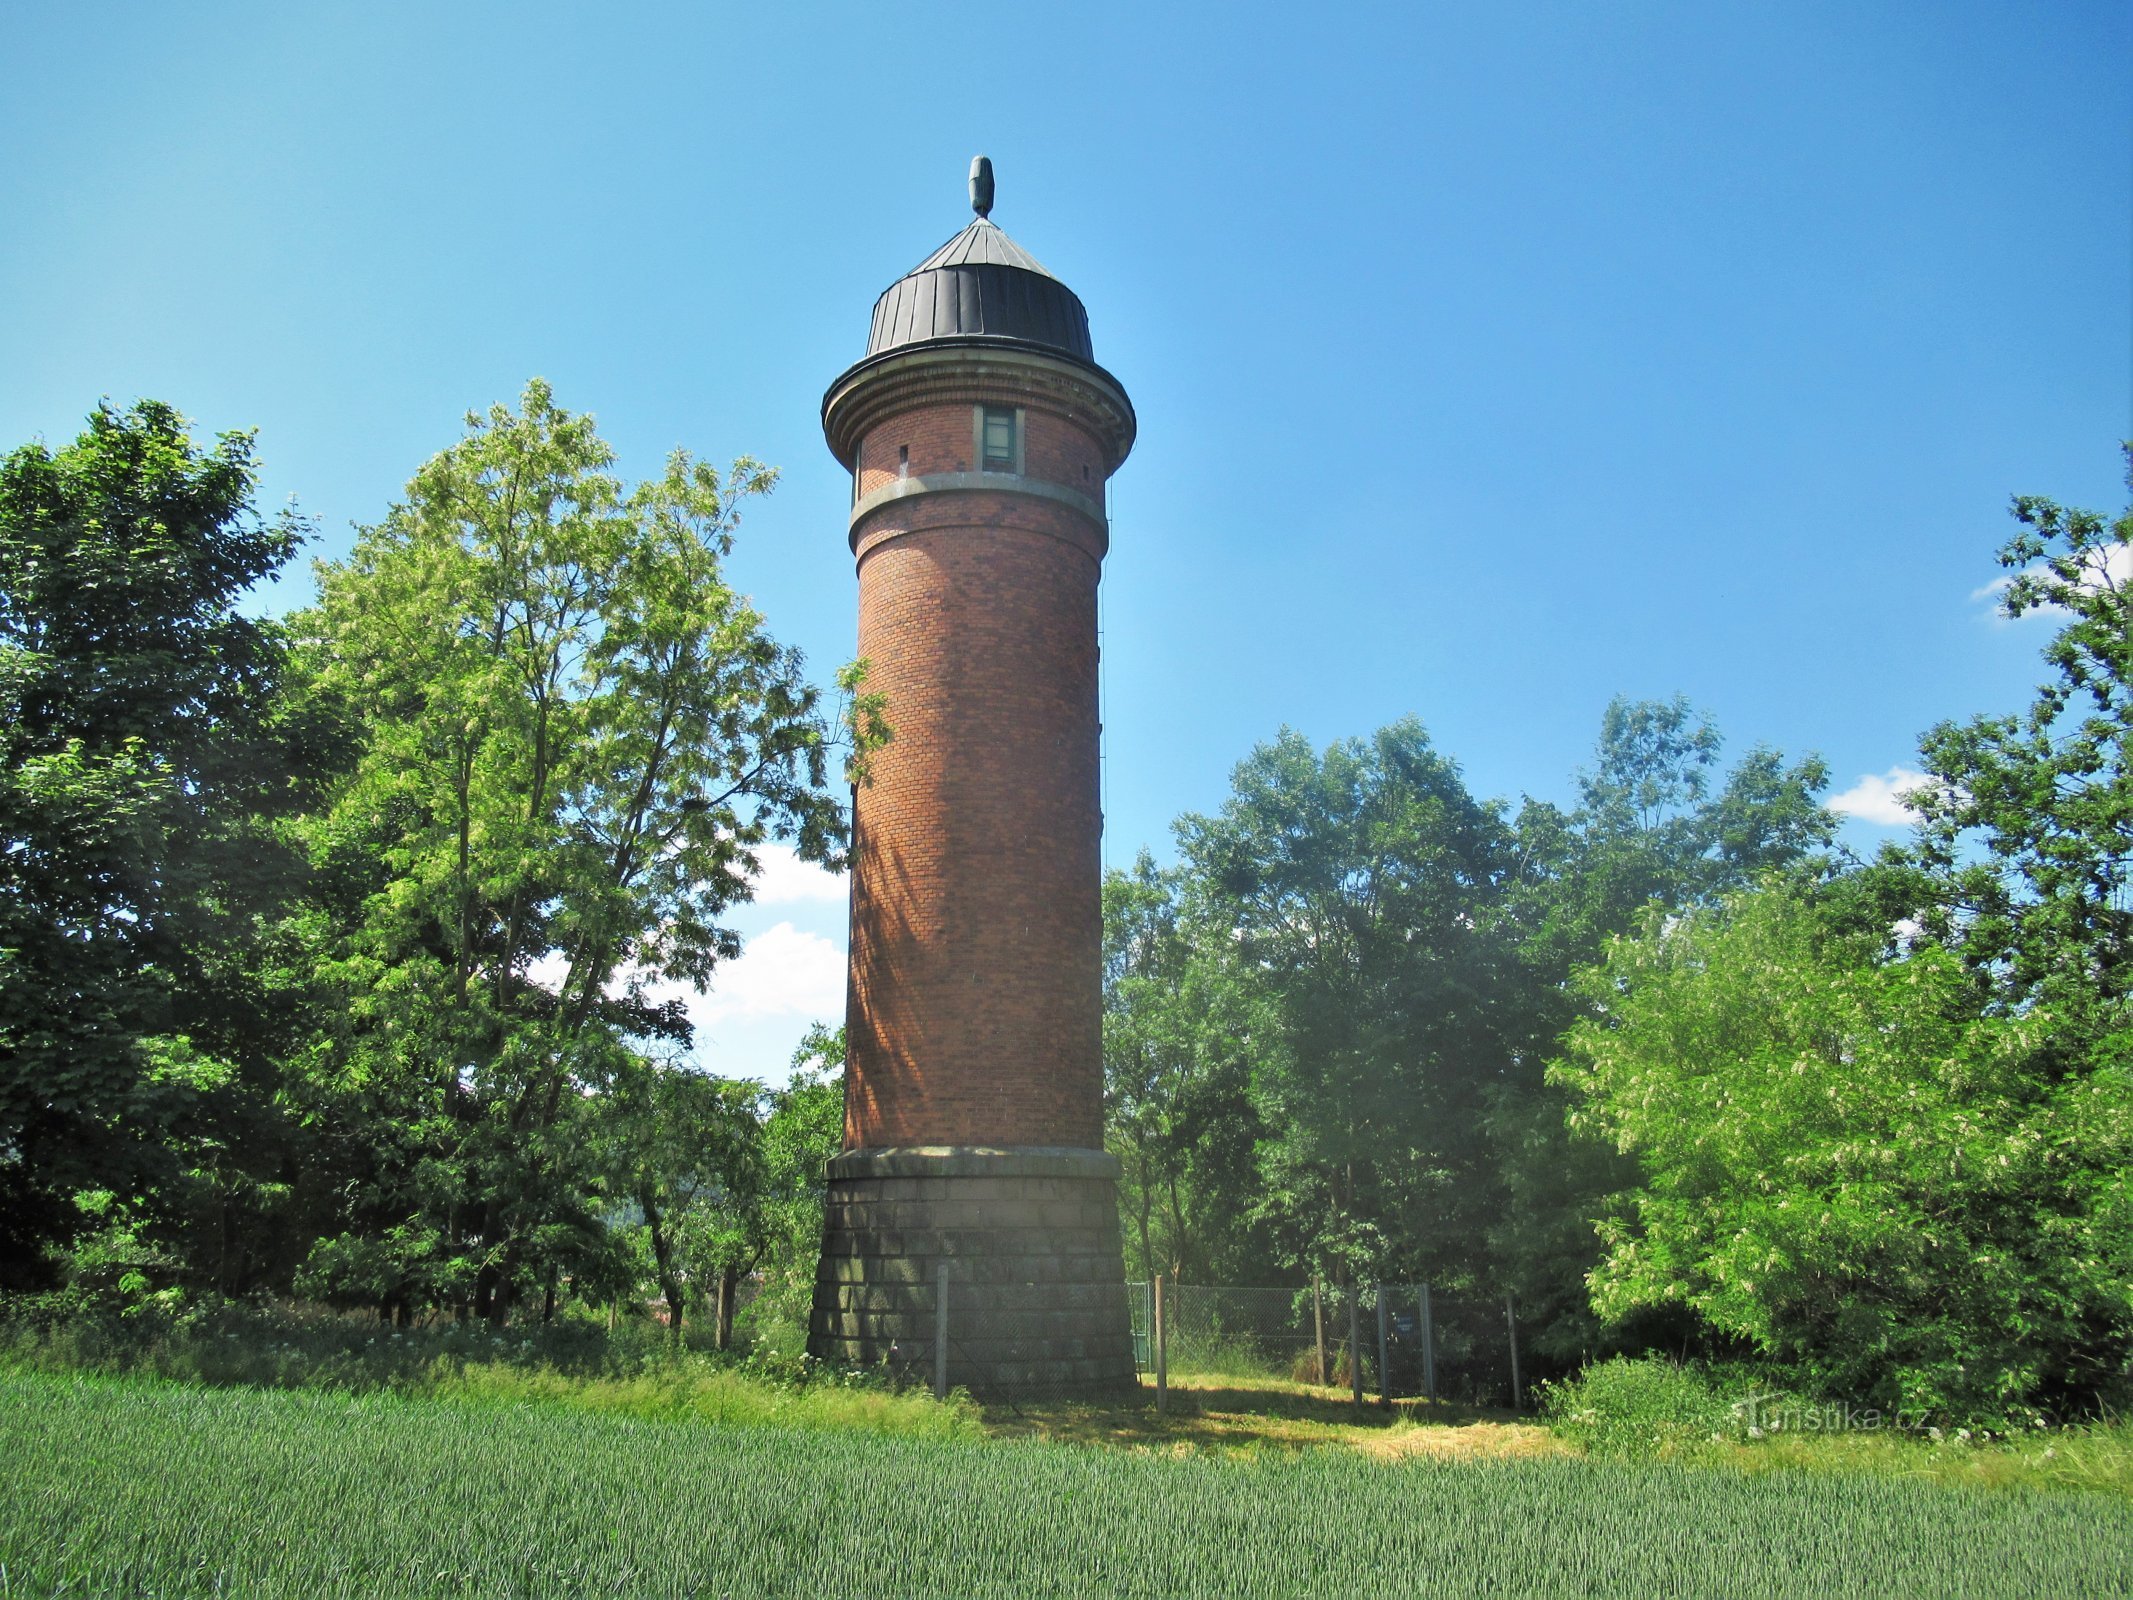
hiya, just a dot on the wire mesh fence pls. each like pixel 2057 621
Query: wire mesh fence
pixel 1383 1341
pixel 1240 1332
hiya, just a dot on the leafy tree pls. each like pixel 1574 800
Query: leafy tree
pixel 1648 827
pixel 1654 827
pixel 726 1178
pixel 1179 1032
pixel 1848 1169
pixel 803 1126
pixel 2024 855
pixel 1354 892
pixel 576 733
pixel 685 1151
pixel 147 749
pixel 1355 959
pixel 1143 957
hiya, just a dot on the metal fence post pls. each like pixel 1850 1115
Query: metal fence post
pixel 1429 1350
pixel 1384 1352
pixel 1318 1324
pixel 1151 1324
pixel 1162 1351
pixel 1510 1317
pixel 940 1334
pixel 1355 1340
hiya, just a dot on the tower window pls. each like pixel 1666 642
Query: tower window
pixel 903 461
pixel 997 450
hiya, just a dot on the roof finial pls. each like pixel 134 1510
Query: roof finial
pixel 981 185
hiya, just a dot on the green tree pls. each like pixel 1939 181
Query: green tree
pixel 803 1126
pixel 1654 826
pixel 1180 1026
pixel 1847 1168
pixel 726 1178
pixel 1356 959
pixel 684 1150
pixel 147 751
pixel 2024 854
pixel 1148 1053
pixel 1355 893
pixel 1649 828
pixel 576 735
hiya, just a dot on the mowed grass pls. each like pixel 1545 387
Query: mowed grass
pixel 139 1487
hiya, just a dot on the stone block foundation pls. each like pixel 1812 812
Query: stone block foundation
pixel 1036 1281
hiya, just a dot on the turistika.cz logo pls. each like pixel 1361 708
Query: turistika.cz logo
pixel 1762 1414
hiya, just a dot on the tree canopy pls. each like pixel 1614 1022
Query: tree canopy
pixel 575 734
pixel 344 957
pixel 2024 855
pixel 148 762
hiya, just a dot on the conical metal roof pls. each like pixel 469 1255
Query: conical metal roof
pixel 982 244
pixel 980 286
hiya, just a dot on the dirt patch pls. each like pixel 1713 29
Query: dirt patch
pixel 1472 1441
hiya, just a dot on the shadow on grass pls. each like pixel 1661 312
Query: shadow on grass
pixel 1231 1414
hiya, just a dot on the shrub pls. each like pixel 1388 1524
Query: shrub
pixel 1896 1199
pixel 1632 1408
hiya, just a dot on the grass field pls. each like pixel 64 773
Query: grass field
pixel 142 1487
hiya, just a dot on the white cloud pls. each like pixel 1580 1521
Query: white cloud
pixel 1880 799
pixel 781 973
pixel 548 969
pixel 783 879
pixel 760 1002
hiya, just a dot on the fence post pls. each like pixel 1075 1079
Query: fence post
pixel 1510 1317
pixel 1384 1353
pixel 940 1333
pixel 1355 1343
pixel 1151 1324
pixel 1162 1351
pixel 1429 1350
pixel 1318 1324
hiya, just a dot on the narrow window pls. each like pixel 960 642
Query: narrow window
pixel 903 461
pixel 999 439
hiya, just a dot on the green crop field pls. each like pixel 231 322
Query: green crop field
pixel 133 1487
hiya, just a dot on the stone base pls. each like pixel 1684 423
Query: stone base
pixel 1036 1282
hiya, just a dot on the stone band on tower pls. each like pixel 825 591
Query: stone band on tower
pixel 980 433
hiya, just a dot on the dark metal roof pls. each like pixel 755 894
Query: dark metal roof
pixel 982 244
pixel 981 285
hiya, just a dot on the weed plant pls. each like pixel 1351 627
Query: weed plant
pixel 1220 1354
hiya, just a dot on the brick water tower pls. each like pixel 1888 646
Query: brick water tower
pixel 980 432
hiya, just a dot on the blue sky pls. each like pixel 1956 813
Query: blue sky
pixel 1490 360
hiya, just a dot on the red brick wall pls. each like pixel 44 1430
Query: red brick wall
pixel 942 439
pixel 975 1010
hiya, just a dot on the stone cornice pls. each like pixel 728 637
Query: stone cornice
pixel 976 372
pixel 977 483
pixel 974 1161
